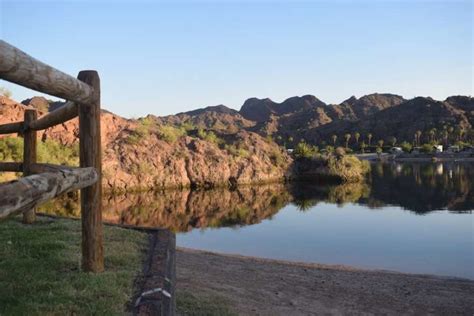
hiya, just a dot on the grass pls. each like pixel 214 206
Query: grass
pixel 40 270
pixel 189 304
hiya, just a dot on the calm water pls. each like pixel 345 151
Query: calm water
pixel 405 217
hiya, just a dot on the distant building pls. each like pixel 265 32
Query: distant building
pixel 396 150
pixel 438 148
pixel 289 150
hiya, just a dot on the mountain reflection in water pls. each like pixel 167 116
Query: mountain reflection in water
pixel 416 187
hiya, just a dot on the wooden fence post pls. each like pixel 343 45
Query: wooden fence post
pixel 91 197
pixel 29 156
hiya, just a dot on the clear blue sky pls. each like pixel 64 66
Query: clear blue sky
pixel 168 57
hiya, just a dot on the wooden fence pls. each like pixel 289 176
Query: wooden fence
pixel 42 182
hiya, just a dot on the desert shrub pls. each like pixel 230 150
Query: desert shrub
pixel 141 168
pixel 276 156
pixel 349 168
pixel 406 147
pixel 329 149
pixel 427 148
pixel 209 136
pixel 304 150
pixel 49 151
pixel 142 131
pixel 187 126
pixel 237 151
pixel 11 149
pixel 170 134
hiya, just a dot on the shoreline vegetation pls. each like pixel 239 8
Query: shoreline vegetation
pixel 306 164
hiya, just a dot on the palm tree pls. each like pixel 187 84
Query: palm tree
pixel 334 139
pixel 450 131
pixel 432 133
pixel 445 136
pixel 357 136
pixel 418 136
pixel 369 138
pixel 460 132
pixel 347 138
pixel 380 142
pixel 363 146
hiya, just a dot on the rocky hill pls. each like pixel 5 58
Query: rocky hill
pixel 153 152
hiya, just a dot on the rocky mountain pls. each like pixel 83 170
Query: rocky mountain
pixel 261 110
pixel 382 115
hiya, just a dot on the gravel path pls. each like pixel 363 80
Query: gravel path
pixel 253 286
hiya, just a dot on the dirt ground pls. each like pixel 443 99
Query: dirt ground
pixel 252 286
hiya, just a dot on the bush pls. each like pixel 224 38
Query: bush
pixel 187 126
pixel 49 151
pixel 427 148
pixel 329 149
pixel 304 150
pixel 141 132
pixel 237 151
pixel 170 134
pixel 11 149
pixel 277 157
pixel 406 147
pixel 349 168
pixel 209 136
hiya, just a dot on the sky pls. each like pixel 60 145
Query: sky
pixel 168 57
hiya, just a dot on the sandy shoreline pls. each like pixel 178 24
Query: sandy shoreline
pixel 254 286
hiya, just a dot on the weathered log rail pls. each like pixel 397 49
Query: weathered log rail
pixel 42 182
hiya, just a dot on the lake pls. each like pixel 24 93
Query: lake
pixel 410 217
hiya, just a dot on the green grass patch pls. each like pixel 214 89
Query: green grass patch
pixel 40 269
pixel 191 305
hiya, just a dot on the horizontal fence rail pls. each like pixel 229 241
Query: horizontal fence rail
pixel 11 167
pixel 27 192
pixel 20 68
pixel 63 114
pixel 11 128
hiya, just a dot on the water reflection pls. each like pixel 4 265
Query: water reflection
pixel 420 188
pixel 423 187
